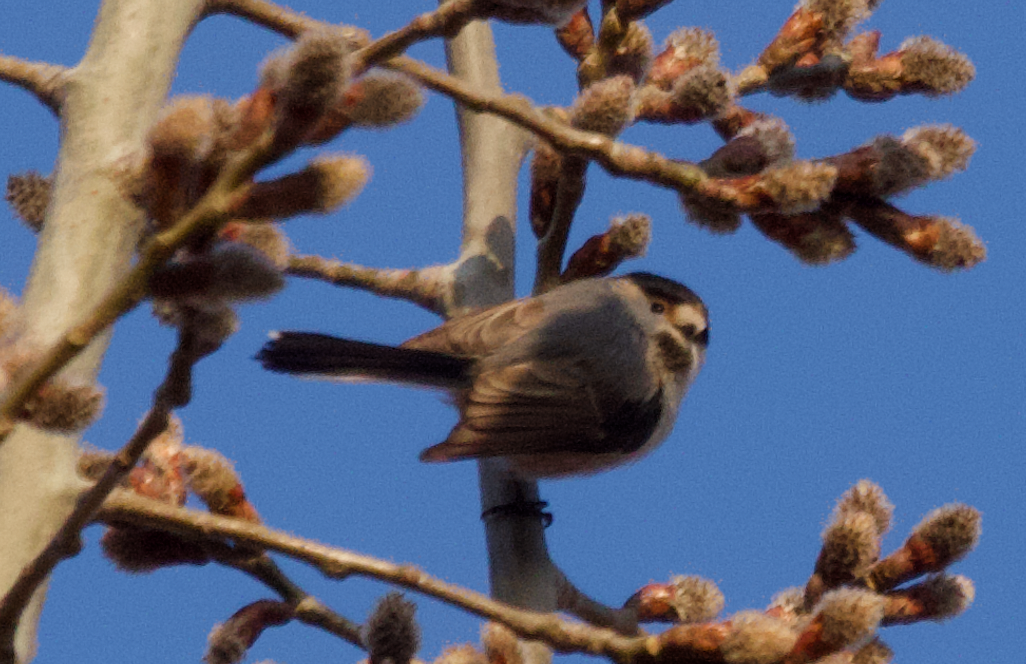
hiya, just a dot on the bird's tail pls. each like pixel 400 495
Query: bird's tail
pixel 333 358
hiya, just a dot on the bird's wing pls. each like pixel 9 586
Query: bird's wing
pixel 528 409
pixel 482 332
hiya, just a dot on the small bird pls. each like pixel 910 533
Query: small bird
pixel 583 378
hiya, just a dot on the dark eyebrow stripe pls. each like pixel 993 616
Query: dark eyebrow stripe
pixel 668 289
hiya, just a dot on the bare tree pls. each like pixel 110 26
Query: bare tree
pixel 159 200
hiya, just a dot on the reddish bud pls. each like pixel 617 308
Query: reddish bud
pixel 938 598
pixel 140 551
pixel 213 479
pixel 63 407
pixel 943 537
pixel 632 56
pixel 323 186
pixel 867 496
pixel 760 144
pixel 377 100
pixel 799 35
pixel 733 119
pixel 180 141
pixel 700 93
pixel 626 238
pixel 940 242
pixel 577 37
pixel 391 634
pixel 546 165
pixel 605 107
pixel 851 543
pixel 306 79
pixel 815 238
pixel 934 68
pixel 685 49
pixel 686 599
pixel 231 272
pixel 29 195
pixel 229 642
pixel 757 638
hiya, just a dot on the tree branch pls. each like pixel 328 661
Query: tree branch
pixel 571 599
pixel 519 566
pixel 446 21
pixel 309 609
pixel 91 233
pixel 429 287
pixel 125 507
pixel 282 20
pixel 618 158
pixel 173 392
pixel 44 80
pixel 552 246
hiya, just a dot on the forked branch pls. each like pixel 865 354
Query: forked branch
pixel 173 392
pixel 44 80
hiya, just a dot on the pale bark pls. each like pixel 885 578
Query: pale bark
pixel 110 99
pixel 520 570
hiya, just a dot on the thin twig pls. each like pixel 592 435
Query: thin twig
pixel 125 507
pixel 427 287
pixel 309 609
pixel 173 392
pixel 621 159
pixel 274 17
pixel 572 600
pixel 445 21
pixel 44 80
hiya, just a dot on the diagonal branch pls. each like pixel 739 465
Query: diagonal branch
pixel 173 392
pixel 124 507
pixel 618 158
pixel 445 21
pixel 552 246
pixel 308 609
pixel 572 600
pixel 44 80
pixel 267 14
pixel 429 287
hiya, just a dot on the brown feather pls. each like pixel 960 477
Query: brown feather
pixel 524 410
pixel 481 333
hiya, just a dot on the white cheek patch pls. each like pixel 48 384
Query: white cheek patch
pixel 685 316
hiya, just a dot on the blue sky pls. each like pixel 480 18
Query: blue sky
pixel 876 367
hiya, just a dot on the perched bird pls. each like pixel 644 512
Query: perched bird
pixel 580 379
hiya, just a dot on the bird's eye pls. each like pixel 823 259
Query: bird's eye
pixel 688 331
pixel 658 308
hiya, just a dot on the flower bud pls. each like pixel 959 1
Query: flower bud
pixel 29 195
